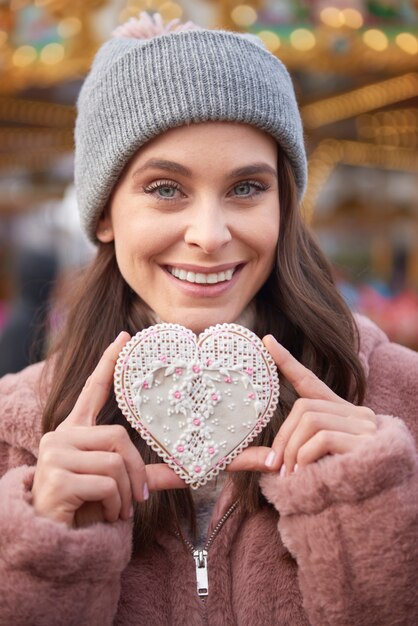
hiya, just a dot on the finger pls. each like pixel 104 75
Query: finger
pixel 327 442
pixel 312 423
pixel 67 492
pixel 160 476
pixel 108 438
pixel 303 380
pixel 256 459
pixel 97 463
pixel 96 390
pixel 103 489
pixel 300 407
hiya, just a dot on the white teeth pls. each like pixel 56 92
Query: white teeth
pixel 198 277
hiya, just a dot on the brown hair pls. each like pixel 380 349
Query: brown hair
pixel 299 305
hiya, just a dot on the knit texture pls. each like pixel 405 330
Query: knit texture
pixel 138 89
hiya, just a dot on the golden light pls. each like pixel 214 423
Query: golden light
pixel 3 37
pixel 170 11
pixel 331 16
pixel 52 53
pixel 407 42
pixel 24 56
pixel 352 18
pixel 375 39
pixel 69 27
pixel 270 39
pixel 244 15
pixel 302 39
pixel 127 13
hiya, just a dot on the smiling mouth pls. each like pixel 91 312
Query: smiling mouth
pixel 202 278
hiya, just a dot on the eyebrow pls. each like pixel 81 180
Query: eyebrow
pixel 172 166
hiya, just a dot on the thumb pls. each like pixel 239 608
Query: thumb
pixel 96 390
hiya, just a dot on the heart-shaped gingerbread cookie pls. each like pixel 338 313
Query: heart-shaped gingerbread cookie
pixel 198 402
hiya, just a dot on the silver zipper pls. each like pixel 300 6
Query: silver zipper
pixel 201 556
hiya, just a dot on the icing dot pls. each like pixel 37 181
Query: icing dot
pixel 228 379
pixel 251 396
pixel 197 469
pixel 196 369
pixel 196 422
pixel 180 448
pixel 179 371
pixel 177 394
pixel 214 397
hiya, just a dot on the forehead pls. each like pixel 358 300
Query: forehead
pixel 217 143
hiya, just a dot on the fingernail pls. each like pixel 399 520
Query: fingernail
pixel 282 472
pixel 295 469
pixel 121 333
pixel 146 492
pixel 270 459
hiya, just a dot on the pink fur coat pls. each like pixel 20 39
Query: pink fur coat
pixel 343 552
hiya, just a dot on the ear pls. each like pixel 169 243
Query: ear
pixel 104 229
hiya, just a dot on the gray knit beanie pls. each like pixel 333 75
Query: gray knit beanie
pixel 140 88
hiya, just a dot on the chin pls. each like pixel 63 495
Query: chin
pixel 198 322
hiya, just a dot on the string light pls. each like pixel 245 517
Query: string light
pixel 170 11
pixel 69 27
pixel 24 56
pixel 331 16
pixel 407 42
pixel 375 39
pixel 244 15
pixel 270 39
pixel 352 18
pixel 302 39
pixel 52 53
pixel 360 100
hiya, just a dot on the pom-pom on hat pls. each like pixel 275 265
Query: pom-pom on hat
pixel 149 78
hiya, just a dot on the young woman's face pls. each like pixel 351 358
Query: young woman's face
pixel 195 221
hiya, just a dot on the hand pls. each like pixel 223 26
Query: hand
pixel 87 473
pixel 319 423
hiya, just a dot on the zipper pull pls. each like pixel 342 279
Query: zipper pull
pixel 201 562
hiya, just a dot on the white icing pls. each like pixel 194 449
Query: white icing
pixel 213 396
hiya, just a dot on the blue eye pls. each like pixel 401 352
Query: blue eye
pixel 166 192
pixel 163 190
pixel 243 189
pixel 249 188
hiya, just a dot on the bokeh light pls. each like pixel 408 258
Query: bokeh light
pixel 52 53
pixel 302 39
pixel 375 39
pixel 243 15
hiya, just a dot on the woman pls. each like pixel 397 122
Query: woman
pixel 190 167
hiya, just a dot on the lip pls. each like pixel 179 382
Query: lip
pixel 213 269
pixel 199 290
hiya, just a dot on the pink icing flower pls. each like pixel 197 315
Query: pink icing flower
pixel 196 369
pixel 214 397
pixel 249 370
pixel 145 385
pixel 227 379
pixel 180 448
pixel 177 395
pixel 197 469
pixel 252 396
pixel 196 422
pixel 179 371
pixel 211 450
pixel 208 362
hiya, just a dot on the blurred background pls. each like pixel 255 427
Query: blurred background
pixel 355 68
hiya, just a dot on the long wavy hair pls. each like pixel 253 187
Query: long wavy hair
pixel 298 304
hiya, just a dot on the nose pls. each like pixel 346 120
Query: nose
pixel 208 228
